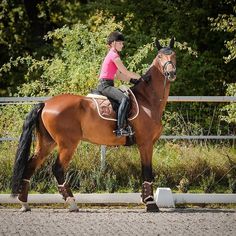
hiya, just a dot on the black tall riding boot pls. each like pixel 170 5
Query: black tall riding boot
pixel 122 114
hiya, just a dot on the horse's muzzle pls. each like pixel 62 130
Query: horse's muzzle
pixel 169 70
pixel 171 75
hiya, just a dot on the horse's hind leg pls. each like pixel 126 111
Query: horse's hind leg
pixel 44 146
pixel 61 164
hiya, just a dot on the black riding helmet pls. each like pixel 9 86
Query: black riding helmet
pixel 115 36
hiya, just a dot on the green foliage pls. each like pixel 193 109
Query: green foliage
pixel 64 12
pixel 232 175
pixel 183 185
pixel 24 24
pixel 195 119
pixel 231 107
pixel 160 181
pixel 13 27
pixel 227 23
pixel 178 166
pixel 68 59
pixel 13 39
pixel 11 119
pixel 232 183
pixel 208 183
pixel 75 66
pixel 6 162
pixel 174 162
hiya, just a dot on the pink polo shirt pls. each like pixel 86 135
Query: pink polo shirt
pixel 109 68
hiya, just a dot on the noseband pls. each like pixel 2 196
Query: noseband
pixel 169 75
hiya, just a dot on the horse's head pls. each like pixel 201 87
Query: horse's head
pixel 165 60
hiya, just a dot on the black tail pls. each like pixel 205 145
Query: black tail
pixel 23 150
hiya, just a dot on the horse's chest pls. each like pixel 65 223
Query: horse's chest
pixel 151 114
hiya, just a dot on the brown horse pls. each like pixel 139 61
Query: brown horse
pixel 65 120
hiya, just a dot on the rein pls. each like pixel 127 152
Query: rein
pixel 167 76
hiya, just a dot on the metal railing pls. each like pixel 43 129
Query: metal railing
pixel 171 99
pixel 7 100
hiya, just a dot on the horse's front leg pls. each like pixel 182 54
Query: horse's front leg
pixel 147 176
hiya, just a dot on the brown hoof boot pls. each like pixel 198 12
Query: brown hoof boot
pixel 152 207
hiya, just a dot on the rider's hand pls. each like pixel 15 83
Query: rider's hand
pixel 146 78
pixel 134 81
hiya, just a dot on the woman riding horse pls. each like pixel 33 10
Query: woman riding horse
pixel 111 66
pixel 65 120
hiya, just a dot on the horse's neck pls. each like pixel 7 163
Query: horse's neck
pixel 154 93
pixel 159 85
pixel 157 89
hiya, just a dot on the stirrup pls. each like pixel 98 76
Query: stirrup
pixel 130 130
pixel 124 132
pixel 121 132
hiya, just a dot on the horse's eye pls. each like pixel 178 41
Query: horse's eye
pixel 159 55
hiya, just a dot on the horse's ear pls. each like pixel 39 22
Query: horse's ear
pixel 158 45
pixel 172 42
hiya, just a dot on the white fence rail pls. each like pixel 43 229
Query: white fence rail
pixel 163 197
pixel 4 100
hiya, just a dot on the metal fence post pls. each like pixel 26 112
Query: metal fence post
pixel 103 157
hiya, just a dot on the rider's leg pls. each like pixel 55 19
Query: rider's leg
pixel 121 118
pixel 107 89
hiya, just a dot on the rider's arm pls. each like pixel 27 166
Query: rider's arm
pixel 121 76
pixel 127 75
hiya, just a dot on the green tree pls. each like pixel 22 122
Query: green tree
pixel 227 23
pixel 23 25
pixel 142 21
pixel 13 37
pixel 80 51
pixel 230 108
pixel 189 22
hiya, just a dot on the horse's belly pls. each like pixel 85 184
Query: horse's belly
pixel 101 132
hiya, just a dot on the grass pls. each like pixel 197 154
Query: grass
pixel 184 167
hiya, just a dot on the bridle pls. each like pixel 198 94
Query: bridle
pixel 168 75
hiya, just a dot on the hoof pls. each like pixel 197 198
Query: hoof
pixel 25 209
pixel 74 209
pixel 152 207
pixel 72 205
pixel 25 206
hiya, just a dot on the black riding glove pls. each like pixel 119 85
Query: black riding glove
pixel 146 78
pixel 134 81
